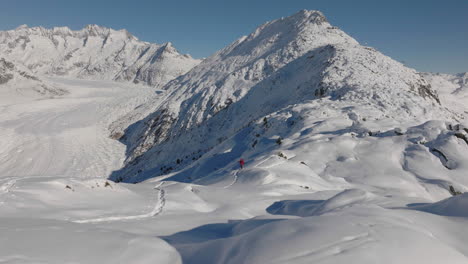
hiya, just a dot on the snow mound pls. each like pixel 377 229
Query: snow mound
pixel 364 235
pixel 342 200
pixel 304 208
pixel 48 241
pixel 453 206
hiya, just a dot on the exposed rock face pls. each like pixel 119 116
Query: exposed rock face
pixel 21 79
pixel 5 68
pixel 94 53
pixel 452 90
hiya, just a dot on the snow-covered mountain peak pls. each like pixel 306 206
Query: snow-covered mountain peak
pixel 289 61
pixel 310 16
pixel 283 40
pixel 296 22
pixel 168 47
pixel 91 30
pixel 64 31
pixel 95 30
pixel 127 34
pixel 463 78
pixel 22 27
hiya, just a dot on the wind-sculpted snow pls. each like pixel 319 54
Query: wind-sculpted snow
pixel 359 234
pixel 453 206
pixel 339 194
pixel 50 241
pixel 290 61
pixel 93 53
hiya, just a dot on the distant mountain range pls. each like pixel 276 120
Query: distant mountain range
pixel 93 53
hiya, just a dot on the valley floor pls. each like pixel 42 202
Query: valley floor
pixel 332 196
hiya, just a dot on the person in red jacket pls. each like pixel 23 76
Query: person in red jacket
pixel 241 162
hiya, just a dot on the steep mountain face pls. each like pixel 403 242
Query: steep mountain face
pixel 297 60
pixel 452 83
pixel 13 77
pixel 453 90
pixel 158 66
pixel 463 79
pixel 93 53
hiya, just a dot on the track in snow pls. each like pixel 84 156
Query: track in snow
pixel 236 176
pixel 5 188
pixel 158 208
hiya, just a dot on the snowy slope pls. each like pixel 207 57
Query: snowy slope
pixel 284 62
pixel 93 53
pixel 348 155
pixel 16 80
pixel 55 156
pixel 453 90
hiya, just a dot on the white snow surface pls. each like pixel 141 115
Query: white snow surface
pixel 94 52
pixel 349 159
pixel 55 155
pixel 452 89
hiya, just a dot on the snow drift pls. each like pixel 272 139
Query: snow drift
pixel 453 206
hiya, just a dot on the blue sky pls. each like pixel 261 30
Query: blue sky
pixel 427 35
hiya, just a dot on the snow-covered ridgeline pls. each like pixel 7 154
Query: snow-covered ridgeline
pixel 284 62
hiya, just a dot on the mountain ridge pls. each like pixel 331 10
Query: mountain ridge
pixel 94 52
pixel 284 62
